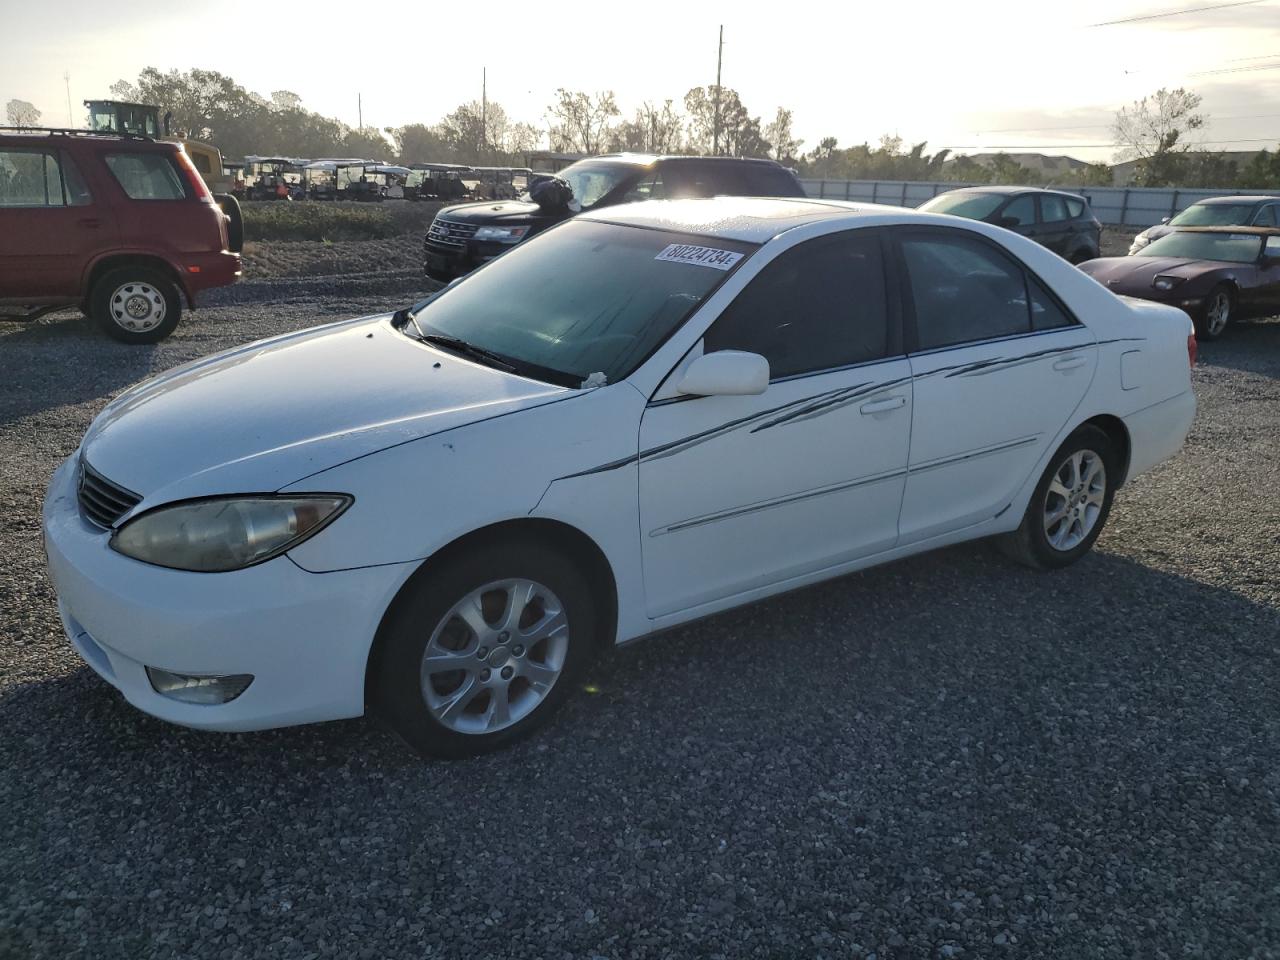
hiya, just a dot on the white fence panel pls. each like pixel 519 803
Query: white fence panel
pixel 1128 206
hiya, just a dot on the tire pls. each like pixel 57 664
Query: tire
pixel 136 304
pixel 235 221
pixel 1046 545
pixel 1212 319
pixel 441 682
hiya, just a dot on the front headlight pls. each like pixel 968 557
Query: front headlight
pixel 502 234
pixel 1166 283
pixel 226 533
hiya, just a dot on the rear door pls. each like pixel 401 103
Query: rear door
pixel 160 209
pixel 998 367
pixel 1055 223
pixel 1019 215
pixel 51 225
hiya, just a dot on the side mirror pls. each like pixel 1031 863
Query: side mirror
pixel 726 373
pixel 1165 219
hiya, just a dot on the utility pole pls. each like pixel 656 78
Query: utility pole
pixel 360 110
pixel 66 79
pixel 715 149
pixel 484 110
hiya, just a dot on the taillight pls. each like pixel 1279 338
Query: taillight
pixel 198 187
pixel 1191 349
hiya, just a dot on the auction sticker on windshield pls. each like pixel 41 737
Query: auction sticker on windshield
pixel 701 256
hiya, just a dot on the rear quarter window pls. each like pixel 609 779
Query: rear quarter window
pixel 146 176
pixel 771 182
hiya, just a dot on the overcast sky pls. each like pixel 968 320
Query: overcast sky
pixel 976 76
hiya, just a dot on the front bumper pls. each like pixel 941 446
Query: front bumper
pixel 448 262
pixel 304 637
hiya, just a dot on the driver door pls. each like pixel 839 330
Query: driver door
pixel 741 492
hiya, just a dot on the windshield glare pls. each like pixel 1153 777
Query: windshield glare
pixel 1214 215
pixel 975 206
pixel 1229 247
pixel 592 180
pixel 582 299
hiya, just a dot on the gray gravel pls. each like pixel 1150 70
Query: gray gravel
pixel 946 757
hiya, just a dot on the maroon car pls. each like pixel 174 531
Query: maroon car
pixel 1216 274
pixel 121 226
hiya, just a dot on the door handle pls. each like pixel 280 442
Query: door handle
pixel 1069 363
pixel 883 406
pixel 93 222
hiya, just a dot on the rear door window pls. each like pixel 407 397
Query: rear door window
pixel 146 176
pixel 1053 209
pixel 763 180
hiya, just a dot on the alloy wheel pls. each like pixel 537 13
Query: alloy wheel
pixel 494 657
pixel 1218 313
pixel 1074 500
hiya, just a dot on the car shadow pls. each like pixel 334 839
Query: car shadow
pixel 867 651
pixel 90 365
pixel 1251 346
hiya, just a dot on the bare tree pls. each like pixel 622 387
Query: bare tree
pixel 653 129
pixel 780 134
pixel 580 121
pixel 1155 132
pixel 22 114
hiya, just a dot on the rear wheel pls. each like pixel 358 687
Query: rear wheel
pixel 1216 313
pixel 1070 504
pixel 136 304
pixel 481 650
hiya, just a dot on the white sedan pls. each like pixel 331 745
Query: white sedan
pixel 643 416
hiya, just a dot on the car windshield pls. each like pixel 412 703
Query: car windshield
pixel 584 303
pixel 591 180
pixel 1229 247
pixel 1214 215
pixel 975 206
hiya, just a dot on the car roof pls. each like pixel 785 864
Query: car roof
pixel 46 137
pixel 747 219
pixel 1012 190
pixel 1211 201
pixel 645 159
pixel 1254 231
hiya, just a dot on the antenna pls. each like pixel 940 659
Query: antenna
pixel 715 148
pixel 66 79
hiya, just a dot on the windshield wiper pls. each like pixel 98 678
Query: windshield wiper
pixel 464 348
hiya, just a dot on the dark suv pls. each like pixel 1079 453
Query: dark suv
pixel 1062 222
pixel 120 225
pixel 463 237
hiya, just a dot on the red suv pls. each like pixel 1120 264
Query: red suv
pixel 122 226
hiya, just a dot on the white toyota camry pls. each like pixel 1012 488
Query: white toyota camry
pixel 643 416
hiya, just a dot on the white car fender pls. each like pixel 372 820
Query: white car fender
pixel 413 499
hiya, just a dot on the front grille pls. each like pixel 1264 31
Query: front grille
pixel 450 232
pixel 101 501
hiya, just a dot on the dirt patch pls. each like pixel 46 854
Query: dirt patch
pixel 1116 240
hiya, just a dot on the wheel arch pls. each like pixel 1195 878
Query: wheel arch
pixel 1118 433
pixel 150 260
pixel 568 539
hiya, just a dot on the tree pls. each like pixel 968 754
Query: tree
pixel 126 91
pixel 418 143
pixel 720 109
pixel 780 135
pixel 285 100
pixel 1262 171
pixel 22 114
pixel 652 130
pixel 1095 175
pixel 580 121
pixel 1154 131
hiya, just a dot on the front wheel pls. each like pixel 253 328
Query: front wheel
pixel 1215 314
pixel 479 651
pixel 1070 504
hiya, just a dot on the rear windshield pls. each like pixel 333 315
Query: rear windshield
pixel 584 298
pixel 1214 215
pixel 146 176
pixel 975 206
pixel 1230 247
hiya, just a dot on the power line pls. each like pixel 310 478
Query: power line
pixel 1264 66
pixel 1107 126
pixel 1176 13
pixel 1095 146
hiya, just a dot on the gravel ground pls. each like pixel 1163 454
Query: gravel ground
pixel 944 757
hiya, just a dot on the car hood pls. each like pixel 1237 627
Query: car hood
pixel 1138 271
pixel 499 211
pixel 268 414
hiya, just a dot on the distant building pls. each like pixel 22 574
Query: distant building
pixel 1051 168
